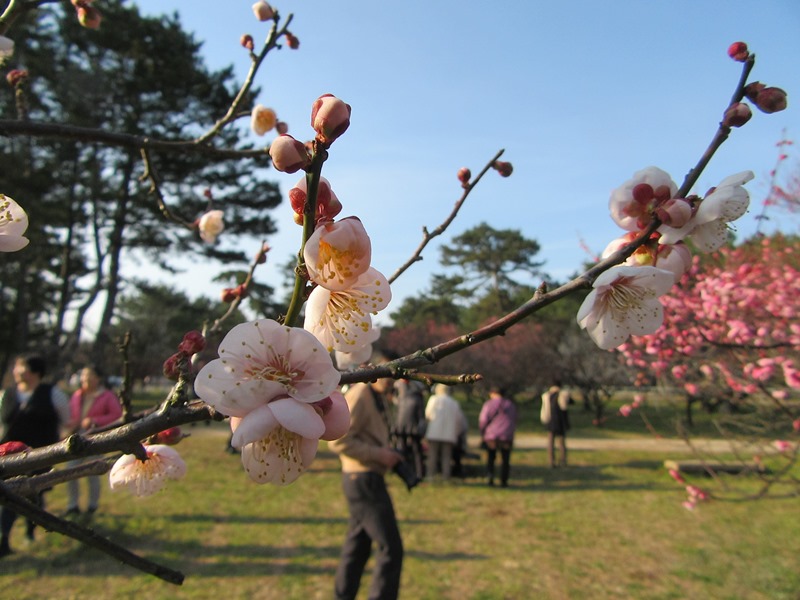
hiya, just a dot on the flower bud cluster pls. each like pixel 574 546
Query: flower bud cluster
pixel 179 363
pixel 228 295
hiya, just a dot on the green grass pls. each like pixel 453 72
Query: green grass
pixel 610 526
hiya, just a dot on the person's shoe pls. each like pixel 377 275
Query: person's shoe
pixel 72 512
pixel 91 510
pixel 490 482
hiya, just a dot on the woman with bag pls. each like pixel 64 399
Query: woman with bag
pixel 497 423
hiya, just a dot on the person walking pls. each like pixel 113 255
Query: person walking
pixel 555 418
pixel 497 423
pixel 445 422
pixel 92 405
pixel 31 412
pixel 366 456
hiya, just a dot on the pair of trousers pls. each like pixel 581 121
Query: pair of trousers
pixel 73 489
pixel 372 519
pixel 505 459
pixel 440 458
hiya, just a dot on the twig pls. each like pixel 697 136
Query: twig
pixel 12 128
pixel 234 109
pixel 85 535
pixel 428 236
pixel 155 188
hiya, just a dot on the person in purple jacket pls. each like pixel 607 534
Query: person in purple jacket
pixel 497 423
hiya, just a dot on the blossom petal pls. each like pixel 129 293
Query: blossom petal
pixel 256 425
pixel 337 253
pixel 337 419
pixel 299 417
pixel 143 478
pixel 280 459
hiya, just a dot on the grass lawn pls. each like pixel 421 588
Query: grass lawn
pixel 610 526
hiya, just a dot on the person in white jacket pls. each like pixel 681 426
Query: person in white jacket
pixel 445 424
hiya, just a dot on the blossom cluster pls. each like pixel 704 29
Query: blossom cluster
pixel 624 300
pixel 278 385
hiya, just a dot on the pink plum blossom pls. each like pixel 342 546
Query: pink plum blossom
pixel 625 410
pixel 262 360
pixel 340 319
pixel 211 225
pixel 279 440
pixel 689 504
pixel 782 445
pixel 262 119
pixel 143 478
pixel 676 475
pixel 697 494
pixel 330 118
pixel 631 211
pixel 13 223
pixel 624 302
pixel 708 229
pixel 337 254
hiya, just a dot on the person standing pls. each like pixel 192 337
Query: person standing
pixel 366 456
pixel 555 418
pixel 31 412
pixel 92 405
pixel 445 422
pixel 410 423
pixel 497 423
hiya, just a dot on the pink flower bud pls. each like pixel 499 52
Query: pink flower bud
pixel 240 291
pixel 261 257
pixel 89 16
pixel 12 448
pixel 737 115
pixel 796 425
pixel 330 118
pixel 292 41
pixel 169 437
pixel 281 127
pixel 228 295
pixel 192 343
pixel 328 205
pixel 247 42
pixel 771 100
pixel 172 366
pixel 288 155
pixel 504 168
pixel 464 175
pixel 675 212
pixel 738 51
pixel 16 77
pixel 625 410
pixel 263 11
pixel 751 90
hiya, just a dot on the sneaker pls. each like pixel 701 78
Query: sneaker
pixel 72 512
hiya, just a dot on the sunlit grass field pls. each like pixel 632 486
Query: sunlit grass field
pixel 609 526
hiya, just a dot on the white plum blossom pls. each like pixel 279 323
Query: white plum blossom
pixel 708 229
pixel 211 225
pixel 279 440
pixel 262 119
pixel 357 356
pixel 624 302
pixel 143 478
pixel 629 213
pixel 338 253
pixel 341 319
pixel 13 224
pixel 262 360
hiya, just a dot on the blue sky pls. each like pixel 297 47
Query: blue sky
pixel 580 95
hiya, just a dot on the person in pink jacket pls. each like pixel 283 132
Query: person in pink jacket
pixel 91 406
